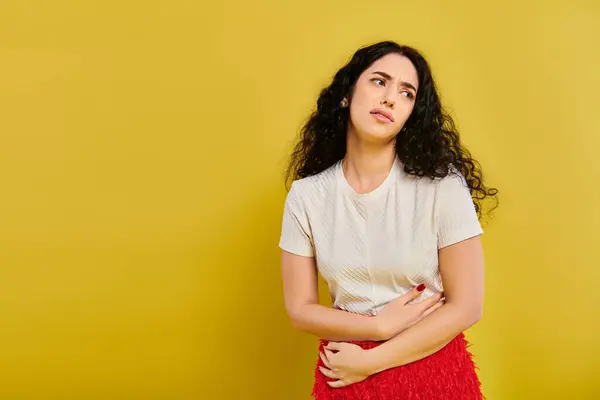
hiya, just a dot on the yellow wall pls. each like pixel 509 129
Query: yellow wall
pixel 142 146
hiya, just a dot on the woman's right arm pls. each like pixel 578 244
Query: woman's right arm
pixel 300 288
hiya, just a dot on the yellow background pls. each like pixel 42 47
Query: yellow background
pixel 142 148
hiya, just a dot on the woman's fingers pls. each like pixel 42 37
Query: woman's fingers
pixel 328 355
pixel 328 373
pixel 411 294
pixel 324 359
pixel 337 384
pixel 430 302
pixel 436 306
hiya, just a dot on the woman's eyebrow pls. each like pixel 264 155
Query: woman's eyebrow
pixel 389 77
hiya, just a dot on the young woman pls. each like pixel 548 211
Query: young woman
pixel 381 205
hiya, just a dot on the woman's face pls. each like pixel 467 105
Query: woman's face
pixel 383 98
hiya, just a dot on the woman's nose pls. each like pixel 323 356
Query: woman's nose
pixel 388 102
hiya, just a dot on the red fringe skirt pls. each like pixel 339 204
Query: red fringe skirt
pixel 448 374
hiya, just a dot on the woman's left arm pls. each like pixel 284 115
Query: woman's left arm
pixel 461 269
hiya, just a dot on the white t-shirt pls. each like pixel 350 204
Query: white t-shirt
pixel 371 248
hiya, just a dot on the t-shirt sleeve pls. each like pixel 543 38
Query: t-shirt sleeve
pixel 296 236
pixel 456 215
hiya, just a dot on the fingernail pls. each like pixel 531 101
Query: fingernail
pixel 421 287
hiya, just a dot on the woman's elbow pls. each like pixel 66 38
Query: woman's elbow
pixel 467 314
pixel 295 315
pixel 473 315
pixel 297 324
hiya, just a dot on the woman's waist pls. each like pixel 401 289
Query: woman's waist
pixel 457 344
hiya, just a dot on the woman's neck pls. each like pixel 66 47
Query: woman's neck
pixel 366 166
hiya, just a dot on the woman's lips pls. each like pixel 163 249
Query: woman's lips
pixel 382 116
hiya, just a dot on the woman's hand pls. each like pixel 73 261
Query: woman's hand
pixel 349 364
pixel 398 315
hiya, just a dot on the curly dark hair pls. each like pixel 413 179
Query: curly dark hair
pixel 428 145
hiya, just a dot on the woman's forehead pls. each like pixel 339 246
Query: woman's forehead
pixel 395 66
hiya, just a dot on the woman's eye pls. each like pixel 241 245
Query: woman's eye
pixel 379 81
pixel 408 94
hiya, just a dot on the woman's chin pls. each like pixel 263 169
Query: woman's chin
pixel 378 136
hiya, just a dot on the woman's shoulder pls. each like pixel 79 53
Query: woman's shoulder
pixel 317 186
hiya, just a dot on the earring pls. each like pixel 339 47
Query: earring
pixel 344 103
